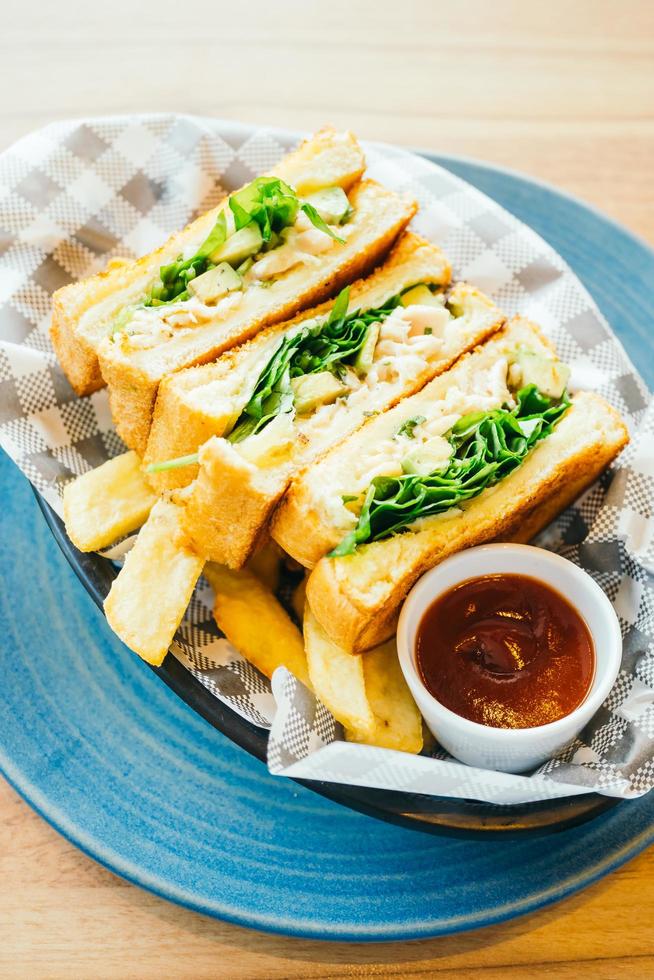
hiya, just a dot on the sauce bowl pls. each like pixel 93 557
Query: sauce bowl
pixel 511 749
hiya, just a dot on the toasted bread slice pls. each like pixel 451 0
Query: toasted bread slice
pixel 133 372
pixel 357 598
pixel 228 506
pixel 84 311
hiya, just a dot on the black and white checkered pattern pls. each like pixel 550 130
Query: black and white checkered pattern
pixel 78 193
pixel 302 725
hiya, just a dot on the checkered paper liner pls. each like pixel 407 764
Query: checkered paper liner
pixel 77 193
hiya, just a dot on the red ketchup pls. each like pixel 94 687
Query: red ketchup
pixel 506 651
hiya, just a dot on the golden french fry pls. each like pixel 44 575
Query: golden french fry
pixel 106 503
pixel 398 723
pixel 265 564
pixel 338 679
pixel 255 623
pixel 298 599
pixel 149 597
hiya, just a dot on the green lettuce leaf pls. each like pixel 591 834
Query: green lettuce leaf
pixel 328 346
pixel 487 446
pixel 319 223
pixel 268 202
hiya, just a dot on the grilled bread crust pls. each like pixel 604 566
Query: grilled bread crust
pixel 327 157
pixel 225 511
pixel 357 598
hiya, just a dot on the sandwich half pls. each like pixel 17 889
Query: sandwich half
pixel 306 265
pixel 86 312
pixel 492 450
pixel 316 383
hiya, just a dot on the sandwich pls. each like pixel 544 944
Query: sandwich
pixel 85 312
pixel 491 450
pixel 268 251
pixel 299 391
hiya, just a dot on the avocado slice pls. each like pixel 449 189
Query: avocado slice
pixel 549 376
pixel 244 242
pixel 331 203
pixel 365 356
pixel 421 295
pixel 245 266
pixel 433 455
pixel 310 391
pixel 215 283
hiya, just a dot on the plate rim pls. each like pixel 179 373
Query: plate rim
pixel 635 846
pixel 427 930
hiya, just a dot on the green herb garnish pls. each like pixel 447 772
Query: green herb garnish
pixel 318 222
pixel 487 446
pixel 172 464
pixel 175 277
pixel 328 346
pixel 408 428
pixel 268 202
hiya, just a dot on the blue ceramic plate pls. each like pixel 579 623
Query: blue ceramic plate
pixel 133 776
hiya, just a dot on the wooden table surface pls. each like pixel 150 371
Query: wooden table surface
pixel 563 91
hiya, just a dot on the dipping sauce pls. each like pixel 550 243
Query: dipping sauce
pixel 506 651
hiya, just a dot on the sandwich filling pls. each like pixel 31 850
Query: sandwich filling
pixel 264 231
pixel 333 372
pixel 430 466
pixel 327 374
pixel 325 361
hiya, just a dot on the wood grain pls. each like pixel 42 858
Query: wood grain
pixel 563 91
pixel 61 915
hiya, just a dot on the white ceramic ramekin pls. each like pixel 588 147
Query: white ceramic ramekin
pixel 511 749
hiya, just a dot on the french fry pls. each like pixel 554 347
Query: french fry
pixel 149 597
pixel 255 623
pixel 338 680
pixel 367 693
pixel 107 503
pixel 265 564
pixel 398 723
